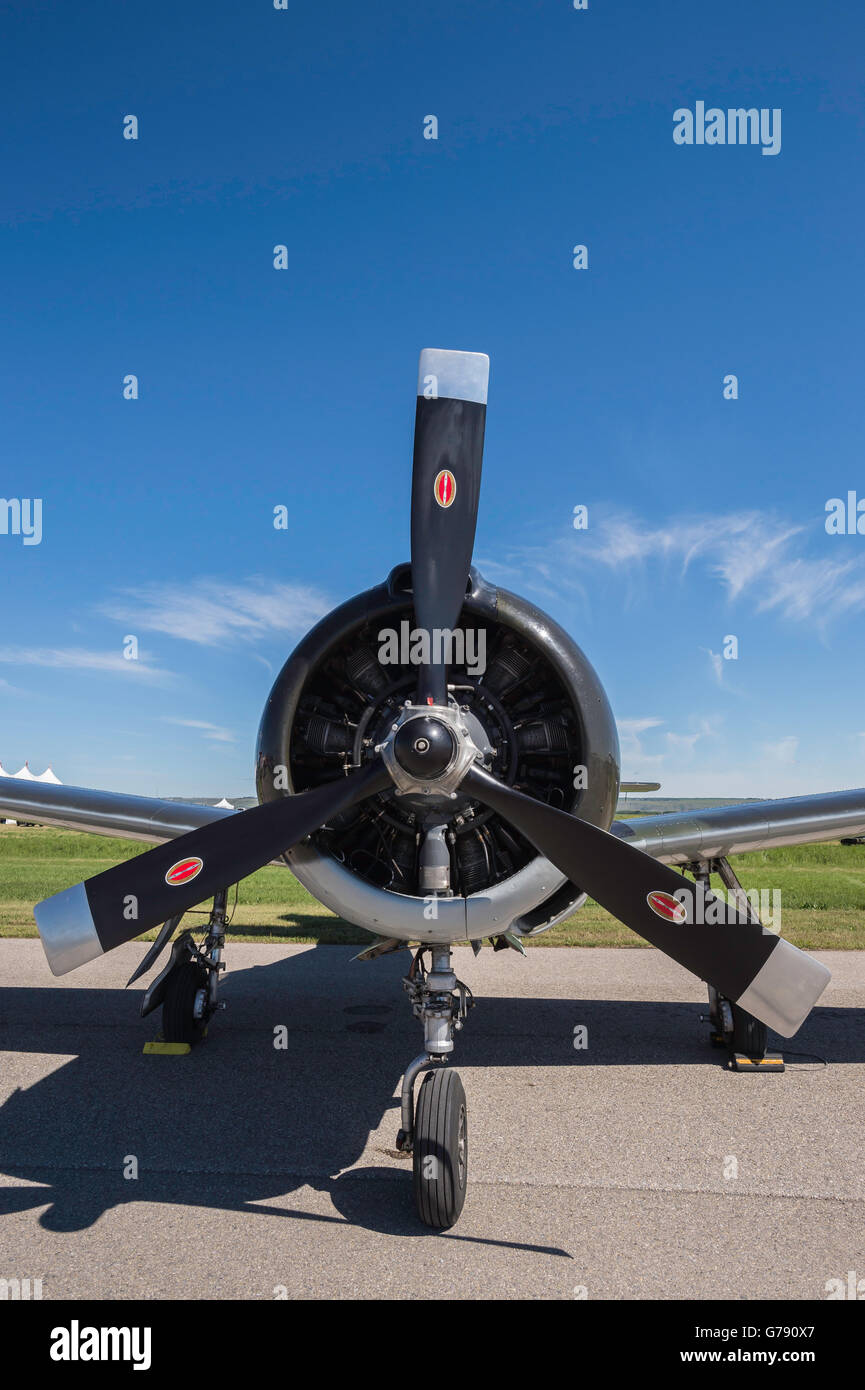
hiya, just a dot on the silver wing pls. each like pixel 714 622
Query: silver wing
pixel 103 813
pixel 677 837
pixel 686 837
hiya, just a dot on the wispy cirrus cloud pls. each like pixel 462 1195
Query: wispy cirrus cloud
pixel 215 732
pixel 631 729
pixel 751 554
pixel 783 750
pixel 717 663
pixel 211 611
pixel 81 659
pixel 634 756
pixel 676 747
pixel 683 745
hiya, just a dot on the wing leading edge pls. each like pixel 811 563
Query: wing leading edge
pixel 104 813
pixel 686 837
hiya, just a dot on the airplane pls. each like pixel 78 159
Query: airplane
pixel 432 800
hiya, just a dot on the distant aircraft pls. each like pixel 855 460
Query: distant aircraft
pixel 459 788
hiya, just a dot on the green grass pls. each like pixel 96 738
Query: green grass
pixel 822 893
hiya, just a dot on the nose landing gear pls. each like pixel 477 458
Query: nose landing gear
pixel 435 1132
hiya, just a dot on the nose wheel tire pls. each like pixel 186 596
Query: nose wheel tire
pixel 441 1149
pixel 184 1006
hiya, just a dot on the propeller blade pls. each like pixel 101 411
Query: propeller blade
pixel 83 922
pixel 765 975
pixel 446 482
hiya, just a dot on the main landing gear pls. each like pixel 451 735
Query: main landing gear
pixel 187 987
pixel 435 1132
pixel 735 1029
pixel 745 1037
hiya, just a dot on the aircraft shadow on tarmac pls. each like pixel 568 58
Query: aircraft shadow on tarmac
pixel 238 1121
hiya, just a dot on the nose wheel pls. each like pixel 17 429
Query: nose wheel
pixel 441 1149
pixel 435 1131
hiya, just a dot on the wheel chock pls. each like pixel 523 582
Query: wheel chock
pixel 166 1049
pixel 773 1061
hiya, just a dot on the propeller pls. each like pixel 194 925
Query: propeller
pixel 767 976
pixel 446 484
pixel 115 906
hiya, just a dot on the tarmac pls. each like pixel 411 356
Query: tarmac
pixel 636 1167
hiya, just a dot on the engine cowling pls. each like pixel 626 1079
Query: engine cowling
pixel 538 709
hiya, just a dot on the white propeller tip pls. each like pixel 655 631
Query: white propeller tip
pixel 459 376
pixel 785 989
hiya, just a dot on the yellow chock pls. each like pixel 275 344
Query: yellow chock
pixel 165 1049
pixel 773 1061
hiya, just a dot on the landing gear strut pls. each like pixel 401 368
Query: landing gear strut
pixel 745 1037
pixel 187 987
pixel 435 1133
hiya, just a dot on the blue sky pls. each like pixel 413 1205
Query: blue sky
pixel 260 387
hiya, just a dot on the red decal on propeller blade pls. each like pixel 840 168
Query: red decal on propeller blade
pixel 666 906
pixel 445 487
pixel 184 870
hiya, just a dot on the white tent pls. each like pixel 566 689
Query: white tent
pixel 225 805
pixel 25 775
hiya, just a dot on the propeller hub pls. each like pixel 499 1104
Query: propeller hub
pixel 424 747
pixel 429 751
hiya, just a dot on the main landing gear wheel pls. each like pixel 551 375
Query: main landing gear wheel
pixel 184 1005
pixel 735 1029
pixel 749 1034
pixel 441 1149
